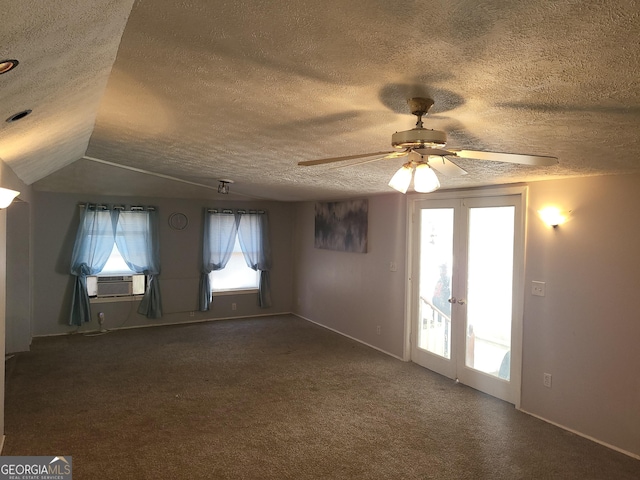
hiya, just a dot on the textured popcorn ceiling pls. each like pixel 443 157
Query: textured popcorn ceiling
pixel 204 89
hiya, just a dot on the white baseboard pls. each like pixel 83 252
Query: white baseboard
pixel 350 337
pixel 187 322
pixel 580 434
pixel 205 320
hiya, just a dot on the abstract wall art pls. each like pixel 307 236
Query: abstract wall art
pixel 342 226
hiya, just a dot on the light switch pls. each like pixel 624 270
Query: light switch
pixel 537 288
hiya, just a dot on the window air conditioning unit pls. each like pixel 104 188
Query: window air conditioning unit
pixel 118 286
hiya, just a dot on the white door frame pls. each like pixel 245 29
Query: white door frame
pixel 519 270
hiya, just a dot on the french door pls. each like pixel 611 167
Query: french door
pixel 466 299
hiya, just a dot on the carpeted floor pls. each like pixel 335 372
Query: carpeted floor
pixel 272 398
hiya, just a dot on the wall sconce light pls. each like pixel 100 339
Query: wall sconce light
pixel 223 186
pixel 553 216
pixel 7 196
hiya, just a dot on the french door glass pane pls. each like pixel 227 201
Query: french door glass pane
pixel 436 256
pixel 490 290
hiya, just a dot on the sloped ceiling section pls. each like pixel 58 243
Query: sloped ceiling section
pixel 66 49
pixel 203 90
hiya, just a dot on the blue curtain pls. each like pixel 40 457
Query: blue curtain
pixel 137 239
pixel 220 230
pixel 253 233
pixel 136 235
pixel 94 242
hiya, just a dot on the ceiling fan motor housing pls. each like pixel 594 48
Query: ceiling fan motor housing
pixel 419 138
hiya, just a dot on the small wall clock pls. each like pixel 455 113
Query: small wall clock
pixel 178 221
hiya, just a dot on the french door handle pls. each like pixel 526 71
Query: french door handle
pixel 461 301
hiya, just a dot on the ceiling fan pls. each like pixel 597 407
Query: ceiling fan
pixel 425 151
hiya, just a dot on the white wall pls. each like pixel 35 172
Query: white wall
pixel 355 293
pixel 8 179
pixel 18 310
pixel 585 331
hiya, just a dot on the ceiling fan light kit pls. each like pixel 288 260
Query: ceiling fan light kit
pixel 402 178
pixel 425 179
pixel 422 142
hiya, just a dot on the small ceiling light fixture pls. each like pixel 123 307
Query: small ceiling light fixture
pixel 424 178
pixel 19 116
pixel 8 65
pixel 553 216
pixel 223 186
pixel 6 196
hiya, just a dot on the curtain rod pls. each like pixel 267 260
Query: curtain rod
pixel 241 211
pixel 133 208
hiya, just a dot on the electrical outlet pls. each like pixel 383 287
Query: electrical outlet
pixel 234 306
pixel 393 266
pixel 191 314
pixel 546 380
pixel 378 330
pixel 538 288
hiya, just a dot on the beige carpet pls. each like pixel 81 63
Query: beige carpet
pixel 272 398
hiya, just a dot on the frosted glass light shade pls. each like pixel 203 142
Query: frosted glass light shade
pixel 7 196
pixel 425 179
pixel 401 180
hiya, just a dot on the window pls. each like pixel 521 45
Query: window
pixel 228 238
pixel 116 279
pixel 236 275
pixel 112 234
pixel 116 264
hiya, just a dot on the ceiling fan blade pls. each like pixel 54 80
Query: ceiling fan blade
pixel 322 161
pixel 535 160
pixel 402 153
pixel 446 166
pixel 375 159
pixel 428 151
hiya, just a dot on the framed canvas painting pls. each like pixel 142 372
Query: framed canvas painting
pixel 342 226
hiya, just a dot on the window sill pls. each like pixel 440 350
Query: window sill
pixel 127 298
pixel 234 292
